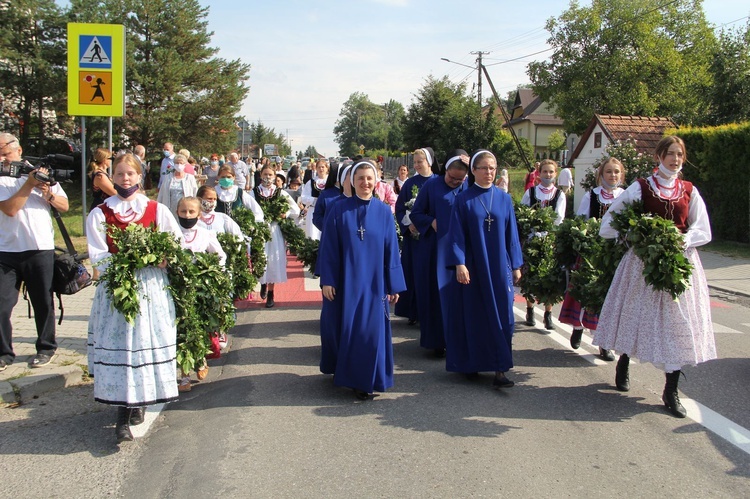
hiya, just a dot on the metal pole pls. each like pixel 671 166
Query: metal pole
pixel 83 172
pixel 109 127
pixel 242 151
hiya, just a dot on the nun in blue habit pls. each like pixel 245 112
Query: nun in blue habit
pixel 330 312
pixel 426 167
pixel 486 254
pixel 360 268
pixel 433 279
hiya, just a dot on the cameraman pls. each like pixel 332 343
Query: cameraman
pixel 27 252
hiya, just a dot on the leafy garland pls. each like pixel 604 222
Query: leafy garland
pixel 410 204
pixel 542 278
pixel 259 233
pixel 299 245
pixel 660 246
pixel 243 281
pixel 571 240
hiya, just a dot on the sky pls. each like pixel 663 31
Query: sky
pixel 308 56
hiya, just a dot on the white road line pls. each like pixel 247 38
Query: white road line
pixel 709 419
pixel 311 284
pixel 152 412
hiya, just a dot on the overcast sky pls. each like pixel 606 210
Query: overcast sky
pixel 308 56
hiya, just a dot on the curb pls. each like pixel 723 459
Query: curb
pixel 731 291
pixel 21 390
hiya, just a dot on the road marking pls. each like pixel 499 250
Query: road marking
pixel 708 418
pixel 152 412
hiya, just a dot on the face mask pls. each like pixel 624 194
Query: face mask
pixel 187 223
pixel 267 181
pixel 214 163
pixel 125 193
pixel 166 154
pixel 208 206
pixel 667 173
pixel 226 182
pixel 546 182
pixel 179 167
pixel 607 185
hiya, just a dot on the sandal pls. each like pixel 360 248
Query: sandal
pixel 202 372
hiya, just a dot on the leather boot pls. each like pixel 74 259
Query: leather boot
pixel 670 397
pixel 548 321
pixel 122 428
pixel 263 291
pixel 269 301
pixel 575 338
pixel 530 320
pixel 137 415
pixel 622 373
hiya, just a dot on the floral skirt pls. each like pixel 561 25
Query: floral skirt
pixel 652 327
pixel 134 364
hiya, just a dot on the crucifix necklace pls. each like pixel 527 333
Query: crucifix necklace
pixel 489 218
pixel 360 222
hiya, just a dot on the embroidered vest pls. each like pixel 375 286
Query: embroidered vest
pixel 675 210
pixel 226 207
pixel 147 220
pixel 535 203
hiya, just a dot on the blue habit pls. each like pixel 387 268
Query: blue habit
pixel 359 258
pixel 321 205
pixel 407 305
pixel 433 279
pixel 330 312
pixel 480 331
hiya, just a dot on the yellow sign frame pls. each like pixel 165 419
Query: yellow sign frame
pixel 96 90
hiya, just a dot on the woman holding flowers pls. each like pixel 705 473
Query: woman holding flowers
pixel 277 205
pixel 640 321
pixel 133 362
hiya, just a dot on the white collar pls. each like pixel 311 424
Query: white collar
pixel 123 208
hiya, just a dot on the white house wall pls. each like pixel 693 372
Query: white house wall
pixel 585 160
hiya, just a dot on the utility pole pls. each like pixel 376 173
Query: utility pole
pixel 479 55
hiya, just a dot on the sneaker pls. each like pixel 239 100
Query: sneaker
pixel 223 340
pixel 184 385
pixel 40 360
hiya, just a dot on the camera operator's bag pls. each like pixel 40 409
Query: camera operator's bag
pixel 70 275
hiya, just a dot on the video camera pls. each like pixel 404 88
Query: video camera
pixel 56 164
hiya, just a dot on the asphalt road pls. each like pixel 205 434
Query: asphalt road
pixel 266 423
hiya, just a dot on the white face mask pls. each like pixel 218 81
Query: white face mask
pixel 667 173
pixel 179 167
pixel 546 182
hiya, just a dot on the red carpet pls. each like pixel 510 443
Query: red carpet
pixel 287 294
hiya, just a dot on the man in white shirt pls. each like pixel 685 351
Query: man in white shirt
pixel 241 171
pixel 565 180
pixel 167 164
pixel 140 154
pixel 27 252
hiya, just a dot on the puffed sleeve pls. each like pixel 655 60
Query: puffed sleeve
pixel 699 228
pixel 305 196
pixel 96 237
pixel 562 204
pixel 632 193
pixel 293 211
pixel 166 222
pixel 248 200
pixel 585 206
pixel 526 199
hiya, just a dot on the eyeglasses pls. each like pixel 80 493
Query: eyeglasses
pixel 456 179
pixel 486 168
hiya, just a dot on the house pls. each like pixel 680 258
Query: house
pixel 605 129
pixel 534 121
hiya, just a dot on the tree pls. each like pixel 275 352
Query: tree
pixel 363 122
pixel 177 89
pixel 627 57
pixel 730 94
pixel 311 152
pixel 556 141
pixel 444 116
pixel 32 64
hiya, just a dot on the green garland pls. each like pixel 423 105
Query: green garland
pixel 299 245
pixel 273 207
pixel 259 233
pixel 571 235
pixel 542 279
pixel 660 246
pixel 243 281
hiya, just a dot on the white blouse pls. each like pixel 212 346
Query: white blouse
pixel 561 202
pixel 585 206
pixel 229 195
pixel 200 240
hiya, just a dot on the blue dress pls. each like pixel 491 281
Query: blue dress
pixel 359 258
pixel 407 305
pixel 479 334
pixel 321 205
pixel 434 281
pixel 330 311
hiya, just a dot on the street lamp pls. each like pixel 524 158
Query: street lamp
pixel 460 64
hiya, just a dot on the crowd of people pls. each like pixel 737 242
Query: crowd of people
pixel 453 272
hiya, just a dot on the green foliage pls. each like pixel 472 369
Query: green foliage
pixel 299 245
pixel 730 66
pixel 261 135
pixel 556 141
pixel 259 233
pixel 637 165
pixel 627 58
pixel 571 239
pixel 542 278
pixel 243 281
pixel 374 126
pixel 659 245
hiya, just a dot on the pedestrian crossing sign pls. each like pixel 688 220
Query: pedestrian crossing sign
pixel 96 69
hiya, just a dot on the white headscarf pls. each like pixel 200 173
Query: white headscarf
pixel 364 164
pixel 476 154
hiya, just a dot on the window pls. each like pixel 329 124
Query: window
pixel 597 140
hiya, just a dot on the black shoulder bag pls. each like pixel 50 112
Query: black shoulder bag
pixel 70 275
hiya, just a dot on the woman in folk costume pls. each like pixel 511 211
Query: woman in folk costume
pixel 544 195
pixel 217 222
pixel 134 365
pixel 360 269
pixel 609 176
pixel 310 193
pixel 487 256
pixel 426 166
pixel 647 324
pixel 230 197
pixel 434 281
pixel 331 190
pixel 401 176
pixel 276 204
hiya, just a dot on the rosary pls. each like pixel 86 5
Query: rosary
pixel 489 219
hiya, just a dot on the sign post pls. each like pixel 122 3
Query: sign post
pixel 96 79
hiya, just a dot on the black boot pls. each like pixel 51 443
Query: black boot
pixel 137 415
pixel 122 428
pixel 622 374
pixel 575 338
pixel 263 291
pixel 269 302
pixel 606 354
pixel 530 320
pixel 670 397
pixel 548 321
